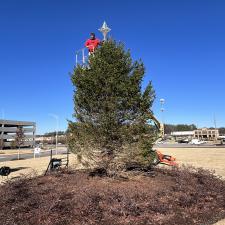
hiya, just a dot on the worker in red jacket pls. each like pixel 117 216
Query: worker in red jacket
pixel 92 43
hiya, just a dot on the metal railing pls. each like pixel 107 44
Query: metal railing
pixel 82 55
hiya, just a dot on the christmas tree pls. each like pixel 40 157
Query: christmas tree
pixel 112 111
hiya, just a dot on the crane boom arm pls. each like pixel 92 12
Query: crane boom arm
pixel 159 126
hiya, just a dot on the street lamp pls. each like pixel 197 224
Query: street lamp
pixel 162 101
pixel 104 30
pixel 56 131
pixel 3 114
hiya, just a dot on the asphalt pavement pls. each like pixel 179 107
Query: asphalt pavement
pixel 11 157
pixel 184 145
pixel 4 158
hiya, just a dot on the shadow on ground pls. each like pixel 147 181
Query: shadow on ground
pixel 17 159
pixel 17 169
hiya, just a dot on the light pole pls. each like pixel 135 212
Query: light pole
pixel 104 30
pixel 56 131
pixel 3 114
pixel 214 117
pixel 162 101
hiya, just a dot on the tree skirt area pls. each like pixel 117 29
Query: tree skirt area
pixel 172 197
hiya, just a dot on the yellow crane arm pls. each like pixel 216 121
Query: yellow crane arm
pixel 158 125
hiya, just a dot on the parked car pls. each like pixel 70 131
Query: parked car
pixel 197 142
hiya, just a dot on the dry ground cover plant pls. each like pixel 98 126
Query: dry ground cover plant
pixel 171 197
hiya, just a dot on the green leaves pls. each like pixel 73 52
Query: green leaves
pixel 110 108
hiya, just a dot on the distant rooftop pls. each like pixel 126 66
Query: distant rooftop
pixel 17 123
pixel 182 133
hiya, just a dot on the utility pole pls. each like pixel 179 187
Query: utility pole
pixel 214 118
pixel 162 101
pixel 3 114
pixel 56 117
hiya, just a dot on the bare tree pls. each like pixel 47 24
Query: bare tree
pixel 1 144
pixel 19 140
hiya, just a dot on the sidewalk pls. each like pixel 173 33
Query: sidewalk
pixel 9 152
pixel 14 151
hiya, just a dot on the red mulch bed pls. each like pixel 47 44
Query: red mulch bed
pixel 171 197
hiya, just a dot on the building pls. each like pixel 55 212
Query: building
pixel 8 130
pixel 183 134
pixel 201 134
pixel 42 139
pixel 206 134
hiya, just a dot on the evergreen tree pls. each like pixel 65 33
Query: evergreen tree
pixel 111 110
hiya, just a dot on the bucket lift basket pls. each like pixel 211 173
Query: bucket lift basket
pixel 81 57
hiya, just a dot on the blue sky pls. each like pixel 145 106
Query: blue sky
pixel 180 42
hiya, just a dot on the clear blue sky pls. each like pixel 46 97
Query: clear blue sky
pixel 182 44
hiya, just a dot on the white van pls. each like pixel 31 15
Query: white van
pixel 197 142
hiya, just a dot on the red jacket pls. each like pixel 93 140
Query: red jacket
pixel 92 44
